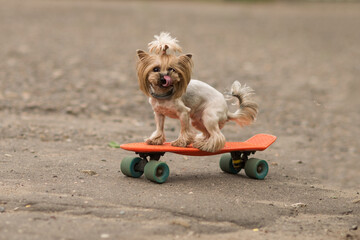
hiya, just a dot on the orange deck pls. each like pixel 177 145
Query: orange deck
pixel 258 142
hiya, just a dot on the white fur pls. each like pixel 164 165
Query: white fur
pixel 204 107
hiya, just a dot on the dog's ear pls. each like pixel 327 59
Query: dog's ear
pixel 183 68
pixel 141 54
pixel 141 67
pixel 186 57
pixel 186 62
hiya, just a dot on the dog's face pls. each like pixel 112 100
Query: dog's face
pixel 163 76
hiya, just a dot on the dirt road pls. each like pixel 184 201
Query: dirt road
pixel 68 88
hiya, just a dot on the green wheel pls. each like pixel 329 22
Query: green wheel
pixel 156 171
pixel 226 164
pixel 128 167
pixel 256 168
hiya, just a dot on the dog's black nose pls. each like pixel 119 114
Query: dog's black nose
pixel 162 80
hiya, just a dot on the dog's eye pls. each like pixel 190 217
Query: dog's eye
pixel 171 70
pixel 156 69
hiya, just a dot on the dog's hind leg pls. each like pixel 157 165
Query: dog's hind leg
pixel 198 125
pixel 213 140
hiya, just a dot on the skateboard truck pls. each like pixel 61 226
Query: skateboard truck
pixel 145 158
pixel 239 159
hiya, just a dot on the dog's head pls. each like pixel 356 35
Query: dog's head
pixel 162 75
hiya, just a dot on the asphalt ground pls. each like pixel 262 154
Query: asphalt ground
pixel 68 87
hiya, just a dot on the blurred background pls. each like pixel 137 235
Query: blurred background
pixel 76 60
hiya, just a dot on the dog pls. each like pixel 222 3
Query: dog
pixel 166 79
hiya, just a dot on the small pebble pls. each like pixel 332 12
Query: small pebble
pixel 181 222
pixel 104 108
pixel 354 227
pixel 122 212
pixel 90 172
pixel 298 205
pixel 347 212
pixel 57 73
pixel 2 209
pixel 104 235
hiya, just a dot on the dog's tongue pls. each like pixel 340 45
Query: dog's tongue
pixel 168 81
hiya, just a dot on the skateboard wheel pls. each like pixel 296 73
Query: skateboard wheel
pixel 128 167
pixel 156 171
pixel 226 164
pixel 256 168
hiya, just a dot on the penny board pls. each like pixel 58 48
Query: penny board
pixel 258 142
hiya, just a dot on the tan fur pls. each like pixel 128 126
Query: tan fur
pixel 146 63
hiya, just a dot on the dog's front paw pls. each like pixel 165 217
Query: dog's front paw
pixel 158 140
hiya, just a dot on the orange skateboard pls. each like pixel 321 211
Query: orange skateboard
pixel 234 158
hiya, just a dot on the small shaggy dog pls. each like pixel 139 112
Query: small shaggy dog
pixel 166 79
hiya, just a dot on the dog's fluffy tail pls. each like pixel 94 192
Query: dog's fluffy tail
pixel 248 109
